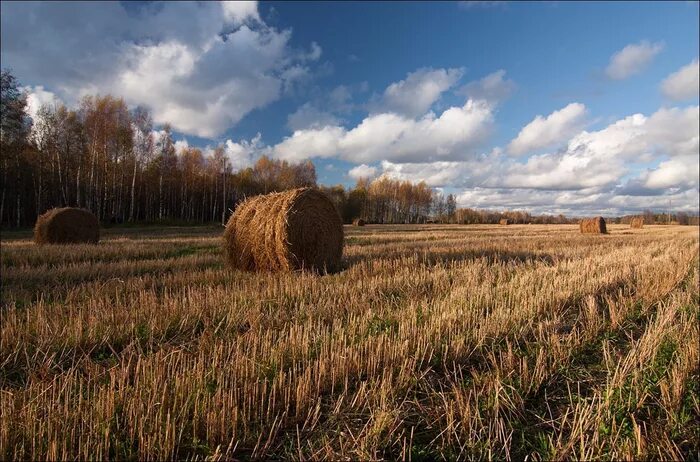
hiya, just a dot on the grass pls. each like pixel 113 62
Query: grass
pixel 435 342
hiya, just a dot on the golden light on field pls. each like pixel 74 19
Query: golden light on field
pixel 464 341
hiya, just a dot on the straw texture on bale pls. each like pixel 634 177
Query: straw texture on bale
pixel 504 221
pixel 68 225
pixel 358 222
pixel 637 222
pixel 593 226
pixel 285 231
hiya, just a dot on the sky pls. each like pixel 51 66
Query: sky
pixel 549 107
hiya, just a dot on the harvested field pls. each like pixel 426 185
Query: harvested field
pixel 434 341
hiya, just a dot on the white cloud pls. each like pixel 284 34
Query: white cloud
pixel 682 171
pixel 674 131
pixel 237 12
pixel 543 132
pixel 244 153
pixel 308 116
pixel 181 145
pixel 416 94
pixel 494 87
pixel 38 97
pixel 362 171
pixel 199 66
pixel 684 83
pixel 576 203
pixel 435 174
pixel 591 161
pixel 456 133
pixel 602 158
pixel 632 59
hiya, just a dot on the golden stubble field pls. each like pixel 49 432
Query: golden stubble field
pixel 434 342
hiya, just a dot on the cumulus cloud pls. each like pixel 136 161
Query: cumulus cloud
pixel 38 97
pixel 601 158
pixel 632 59
pixel 679 172
pixel 587 175
pixel 684 83
pixel 362 171
pixel 237 12
pixel 456 133
pixel 416 94
pixel 308 116
pixel 199 66
pixel 543 132
pixel 576 203
pixel 244 153
pixel 494 87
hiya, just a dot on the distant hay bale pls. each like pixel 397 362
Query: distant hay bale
pixel 637 222
pixel 593 226
pixel 504 221
pixel 68 225
pixel 358 222
pixel 285 231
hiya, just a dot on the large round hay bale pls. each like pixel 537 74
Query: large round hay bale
pixel 67 225
pixel 503 221
pixel 593 226
pixel 285 231
pixel 637 222
pixel 358 222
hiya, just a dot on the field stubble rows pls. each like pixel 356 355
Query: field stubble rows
pixel 434 342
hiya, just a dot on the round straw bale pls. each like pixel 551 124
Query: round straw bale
pixel 285 231
pixel 593 226
pixel 358 222
pixel 67 225
pixel 504 221
pixel 637 222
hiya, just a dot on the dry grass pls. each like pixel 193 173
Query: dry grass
pixel 454 342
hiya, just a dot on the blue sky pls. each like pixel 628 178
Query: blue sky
pixel 550 107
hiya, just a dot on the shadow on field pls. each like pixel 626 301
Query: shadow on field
pixel 493 256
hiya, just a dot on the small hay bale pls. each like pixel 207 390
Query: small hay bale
pixel 285 231
pixel 67 225
pixel 504 221
pixel 637 222
pixel 358 222
pixel 593 226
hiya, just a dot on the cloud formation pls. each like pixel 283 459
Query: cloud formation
pixel 362 171
pixel 38 97
pixel 494 87
pixel 601 170
pixel 632 59
pixel 544 132
pixel 417 93
pixel 455 133
pixel 684 84
pixel 199 66
pixel 308 116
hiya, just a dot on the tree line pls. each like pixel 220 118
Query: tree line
pixel 108 158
